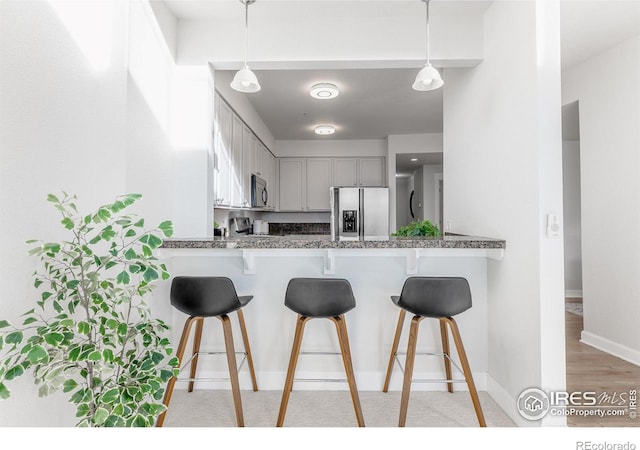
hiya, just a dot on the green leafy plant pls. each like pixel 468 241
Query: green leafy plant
pixel 216 225
pixel 425 228
pixel 91 333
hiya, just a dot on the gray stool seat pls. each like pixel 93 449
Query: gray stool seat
pixel 328 298
pixel 434 296
pixel 439 298
pixel 199 298
pixel 319 297
pixel 206 296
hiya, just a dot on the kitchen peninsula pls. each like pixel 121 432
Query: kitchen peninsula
pixel 263 265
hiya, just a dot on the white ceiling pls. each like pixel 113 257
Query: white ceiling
pixel 376 103
pixel 372 104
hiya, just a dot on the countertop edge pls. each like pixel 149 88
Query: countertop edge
pixel 453 242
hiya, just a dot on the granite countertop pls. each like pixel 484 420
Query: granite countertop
pixel 324 242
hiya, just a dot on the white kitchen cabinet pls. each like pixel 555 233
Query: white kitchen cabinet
pixel 236 166
pixel 292 184
pixel 223 153
pixel 345 172
pixel 370 172
pixel 238 155
pixel 249 144
pixel 267 171
pixel 319 181
pixel 364 172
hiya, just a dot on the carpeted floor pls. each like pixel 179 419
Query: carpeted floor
pixel 214 408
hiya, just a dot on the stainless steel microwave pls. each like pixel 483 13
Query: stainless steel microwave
pixel 259 193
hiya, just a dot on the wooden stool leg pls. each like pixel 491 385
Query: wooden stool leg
pixel 293 361
pixel 394 350
pixel 467 370
pixel 408 369
pixel 445 349
pixel 180 353
pixel 197 339
pixel 233 368
pixel 343 339
pixel 247 349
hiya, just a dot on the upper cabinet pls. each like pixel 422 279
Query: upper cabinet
pixel 365 172
pixel 223 143
pixel 345 172
pixel 237 180
pixel 293 184
pixel 238 155
pixel 371 172
pixel 304 182
pixel 318 184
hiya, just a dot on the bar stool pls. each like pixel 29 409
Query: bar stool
pixel 202 297
pixel 439 298
pixel 320 298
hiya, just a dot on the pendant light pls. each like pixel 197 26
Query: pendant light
pixel 428 78
pixel 245 80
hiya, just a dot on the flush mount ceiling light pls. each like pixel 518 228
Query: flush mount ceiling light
pixel 325 129
pixel 324 91
pixel 428 78
pixel 245 80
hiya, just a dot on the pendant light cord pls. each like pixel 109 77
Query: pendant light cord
pixel 246 27
pixel 427 28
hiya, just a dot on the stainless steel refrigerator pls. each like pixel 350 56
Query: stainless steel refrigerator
pixel 359 213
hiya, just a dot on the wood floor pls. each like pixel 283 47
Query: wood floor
pixel 589 369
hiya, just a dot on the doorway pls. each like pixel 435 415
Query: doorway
pixel 571 193
pixel 419 188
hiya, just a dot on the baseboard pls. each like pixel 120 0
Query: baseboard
pixel 573 294
pixel 611 347
pixel 507 403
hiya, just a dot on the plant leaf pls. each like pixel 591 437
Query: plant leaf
pixel 14 338
pixel 100 416
pixel 14 372
pixel 38 354
pixel 150 275
pixel 4 392
pixel 123 277
pixel 69 385
pixel 167 228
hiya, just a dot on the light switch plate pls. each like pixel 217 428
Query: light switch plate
pixel 553 226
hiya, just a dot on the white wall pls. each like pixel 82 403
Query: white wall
pixel 168 23
pixel 502 173
pixel 404 186
pixel 610 186
pixel 418 194
pixel 324 32
pixel 63 128
pixel 429 172
pixel 69 121
pixel 572 213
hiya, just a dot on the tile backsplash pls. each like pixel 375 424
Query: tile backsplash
pixel 299 228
